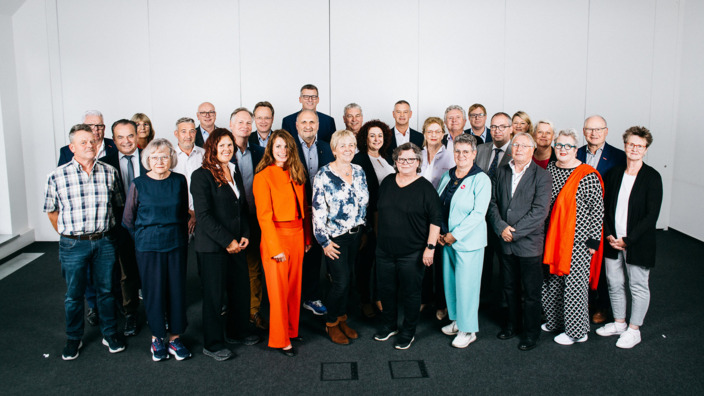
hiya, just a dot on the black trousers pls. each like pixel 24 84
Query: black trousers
pixel 225 281
pixel 404 273
pixel 310 289
pixel 433 282
pixel 364 270
pixel 523 273
pixel 493 247
pixel 341 273
pixel 128 272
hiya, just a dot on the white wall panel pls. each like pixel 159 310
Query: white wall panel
pixel 546 60
pixel 194 58
pixel 284 45
pixel 462 58
pixel 374 58
pixel 104 59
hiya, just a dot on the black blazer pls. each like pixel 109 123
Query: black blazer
pixel 477 138
pixel 221 217
pixel 362 159
pixel 199 136
pixel 66 155
pixel 326 126
pixel 416 138
pixel 643 211
pixel 254 139
pixel 324 157
pixel 525 211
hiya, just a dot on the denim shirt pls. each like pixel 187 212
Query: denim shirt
pixel 337 205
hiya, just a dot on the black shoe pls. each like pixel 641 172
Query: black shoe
pixel 385 334
pixel 291 352
pixel 527 344
pixel 249 340
pixel 404 343
pixel 130 326
pixel 219 355
pixel 114 343
pixel 506 334
pixel 71 349
pixel 92 317
pixel 299 339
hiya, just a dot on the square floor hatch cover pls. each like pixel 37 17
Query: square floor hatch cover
pixel 403 369
pixel 339 371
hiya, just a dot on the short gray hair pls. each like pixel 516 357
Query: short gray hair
pixel 185 119
pixel 546 122
pixel 76 128
pixel 352 106
pixel 406 147
pixel 466 138
pixel 571 133
pixel 156 145
pixel 241 109
pixel 92 113
pixel 526 134
pixel 455 107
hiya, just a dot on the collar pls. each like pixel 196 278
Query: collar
pixel 512 164
pixel 502 148
pixel 305 145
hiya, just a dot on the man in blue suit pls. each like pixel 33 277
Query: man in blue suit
pixel 402 132
pixel 309 100
pixel 602 157
pixel 314 154
pixel 128 165
pixel 94 119
pixel 247 157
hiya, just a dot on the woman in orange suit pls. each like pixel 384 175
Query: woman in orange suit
pixel 279 196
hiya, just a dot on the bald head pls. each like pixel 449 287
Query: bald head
pixel 206 116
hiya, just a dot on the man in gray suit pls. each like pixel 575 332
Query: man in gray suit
pixel 519 206
pixel 491 156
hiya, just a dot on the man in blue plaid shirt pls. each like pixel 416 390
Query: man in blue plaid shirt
pixel 79 200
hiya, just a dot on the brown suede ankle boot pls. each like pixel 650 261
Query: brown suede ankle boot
pixel 336 335
pixel 348 331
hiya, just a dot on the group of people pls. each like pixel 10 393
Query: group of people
pixel 413 219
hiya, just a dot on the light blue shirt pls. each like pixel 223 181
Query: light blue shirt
pixel 244 162
pixel 311 158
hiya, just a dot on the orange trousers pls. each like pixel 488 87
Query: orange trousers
pixel 283 282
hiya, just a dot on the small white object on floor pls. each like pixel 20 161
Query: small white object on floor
pixel 46 355
pixel 664 336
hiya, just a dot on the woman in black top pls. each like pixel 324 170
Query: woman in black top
pixel 372 140
pixel 222 234
pixel 410 215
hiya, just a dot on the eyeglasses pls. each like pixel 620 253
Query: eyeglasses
pixel 207 113
pixel 96 126
pixel 263 118
pixel 463 152
pixel 309 97
pixel 406 160
pixel 523 146
pixel 159 158
pixel 594 130
pixel 499 127
pixel 637 147
pixel 477 115
pixel 567 147
pixel 438 132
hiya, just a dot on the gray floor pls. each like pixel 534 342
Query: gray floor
pixel 668 361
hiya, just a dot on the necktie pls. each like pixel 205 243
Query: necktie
pixel 130 170
pixel 492 167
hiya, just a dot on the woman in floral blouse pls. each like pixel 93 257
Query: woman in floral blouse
pixel 340 198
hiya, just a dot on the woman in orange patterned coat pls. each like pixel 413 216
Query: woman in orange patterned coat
pixel 279 196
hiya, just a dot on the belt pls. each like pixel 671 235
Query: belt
pixel 86 237
pixel 354 230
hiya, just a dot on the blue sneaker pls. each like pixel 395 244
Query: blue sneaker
pixel 316 307
pixel 177 349
pixel 159 352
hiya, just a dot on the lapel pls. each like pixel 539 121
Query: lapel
pixel 508 180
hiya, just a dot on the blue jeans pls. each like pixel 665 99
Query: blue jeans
pixel 77 257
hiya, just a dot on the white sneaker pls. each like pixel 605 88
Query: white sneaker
pixel 564 339
pixel 463 339
pixel 610 329
pixel 628 339
pixel 450 329
pixel 544 327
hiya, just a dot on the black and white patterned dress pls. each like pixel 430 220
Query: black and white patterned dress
pixel 565 298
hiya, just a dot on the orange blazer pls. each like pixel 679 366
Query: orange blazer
pixel 275 196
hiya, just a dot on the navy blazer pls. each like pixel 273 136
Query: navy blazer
pixel 66 155
pixel 416 138
pixel 326 126
pixel 199 136
pixel 221 217
pixel 254 139
pixel 324 157
pixel 525 210
pixel 643 210
pixel 610 157
pixel 469 131
pixel 479 138
pixel 114 161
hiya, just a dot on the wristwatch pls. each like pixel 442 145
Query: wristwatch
pixel 431 246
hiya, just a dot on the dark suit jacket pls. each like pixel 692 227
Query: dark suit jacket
pixel 416 138
pixel 254 139
pixel 199 136
pixel 610 157
pixel 326 126
pixel 525 211
pixel 221 217
pixel 324 157
pixel 480 140
pixel 114 161
pixel 362 159
pixel 484 155
pixel 66 155
pixel 643 211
